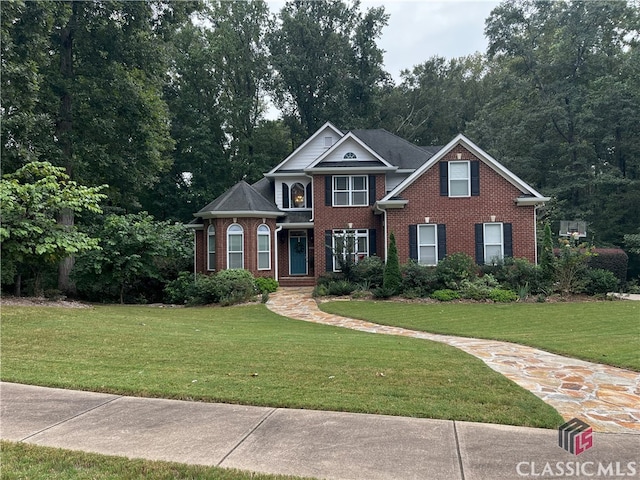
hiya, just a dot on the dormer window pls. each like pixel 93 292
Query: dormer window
pixel 349 156
pixel 297 195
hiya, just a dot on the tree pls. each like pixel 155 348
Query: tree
pixel 547 258
pixel 137 256
pixel 392 278
pixel 31 198
pixel 327 65
pixel 563 103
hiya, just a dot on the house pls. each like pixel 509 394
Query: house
pixel 355 188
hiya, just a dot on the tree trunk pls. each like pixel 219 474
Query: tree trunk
pixel 64 132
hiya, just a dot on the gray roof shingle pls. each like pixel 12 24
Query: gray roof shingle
pixel 242 197
pixel 395 150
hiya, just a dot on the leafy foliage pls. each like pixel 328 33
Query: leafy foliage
pixel 392 278
pixel 455 268
pixel 445 295
pixel 266 285
pixel 31 199
pixel 137 256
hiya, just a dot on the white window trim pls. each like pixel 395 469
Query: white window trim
pixel 268 251
pixel 449 179
pixel 241 251
pixel 350 190
pixel 211 232
pixel 435 245
pixel 357 233
pixel 488 260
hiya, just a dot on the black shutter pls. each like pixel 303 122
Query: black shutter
pixel 507 232
pixel 442 241
pixel 327 190
pixel 413 242
pixel 309 196
pixel 372 189
pixel 444 179
pixel 479 244
pixel 373 250
pixel 328 241
pixel 475 178
pixel 285 195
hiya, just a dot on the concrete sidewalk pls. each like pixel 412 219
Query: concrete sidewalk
pixel 329 445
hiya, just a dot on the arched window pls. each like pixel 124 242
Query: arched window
pixel 211 248
pixel 349 156
pixel 264 248
pixel 235 246
pixel 297 195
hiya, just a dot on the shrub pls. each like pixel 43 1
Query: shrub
pixel 340 287
pixel 478 288
pixel 445 295
pixel 547 260
pixel 382 292
pixel 326 278
pixel 518 274
pixel 614 260
pixel 369 270
pixel 266 285
pixel 454 268
pixel 502 296
pixel 392 279
pixel 234 286
pixel 600 281
pixel 181 289
pixel 418 280
pixel 572 266
pixel 320 291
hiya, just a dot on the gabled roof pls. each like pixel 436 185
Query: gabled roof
pixel 395 150
pixel 530 196
pixel 303 146
pixel 240 200
pixel 322 162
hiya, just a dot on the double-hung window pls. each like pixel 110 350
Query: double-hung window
pixel 493 243
pixel 211 248
pixel 427 244
pixel 264 247
pixel 350 190
pixel 459 179
pixel 349 245
pixel 235 246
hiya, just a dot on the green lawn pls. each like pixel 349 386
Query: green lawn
pixel 604 332
pixel 20 461
pixel 249 355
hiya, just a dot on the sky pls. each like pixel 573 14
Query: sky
pixel 419 29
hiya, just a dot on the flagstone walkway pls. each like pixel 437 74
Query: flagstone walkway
pixel 607 398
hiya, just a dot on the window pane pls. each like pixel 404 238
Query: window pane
pixel 428 256
pixel 458 188
pixel 458 170
pixel 341 183
pixel 263 260
pixel 235 228
pixel 493 234
pixel 235 243
pixel 493 253
pixel 235 260
pixel 263 243
pixel 359 183
pixel 359 198
pixel 341 198
pixel 427 235
pixel 363 245
pixel 297 195
pixel 212 261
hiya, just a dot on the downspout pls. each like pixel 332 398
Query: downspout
pixel 195 256
pixel 535 232
pixel 275 243
pixel 386 240
pixel 313 207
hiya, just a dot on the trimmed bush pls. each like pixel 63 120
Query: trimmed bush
pixel 418 280
pixel 454 268
pixel 500 295
pixel 382 292
pixel 234 286
pixel 445 295
pixel 369 270
pixel 518 274
pixel 340 287
pixel 600 282
pixel 266 285
pixel 392 279
pixel 320 291
pixel 478 288
pixel 614 260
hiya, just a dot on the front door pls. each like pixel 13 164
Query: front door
pixel 298 252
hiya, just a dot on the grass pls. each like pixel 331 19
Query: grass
pixel 248 355
pixel 20 460
pixel 602 332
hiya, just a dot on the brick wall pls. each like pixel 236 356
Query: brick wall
pixel 497 197
pixel 250 226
